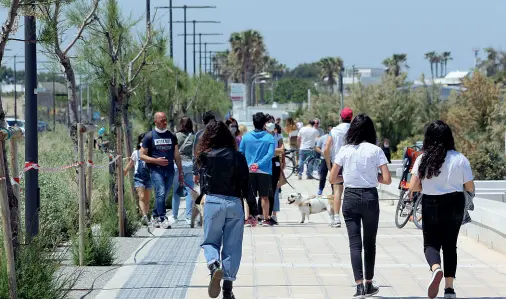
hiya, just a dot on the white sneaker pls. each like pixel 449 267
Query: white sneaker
pixel 155 223
pixel 172 219
pixel 188 221
pixel 166 223
pixel 336 222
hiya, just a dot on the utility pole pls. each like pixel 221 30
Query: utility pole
pixel 148 109
pixel 194 22
pixel 32 192
pixel 200 45
pixel 205 51
pixel 15 93
pixel 341 88
pixel 185 8
pixel 54 103
pixel 170 29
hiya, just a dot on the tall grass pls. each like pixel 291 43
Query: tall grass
pixel 38 272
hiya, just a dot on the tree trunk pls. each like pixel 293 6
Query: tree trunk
pixel 262 93
pixel 148 108
pixel 114 122
pixel 72 99
pixel 127 136
pixel 432 70
pixel 13 200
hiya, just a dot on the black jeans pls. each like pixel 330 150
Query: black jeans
pixel 323 175
pixel 276 172
pixel 361 207
pixel 442 218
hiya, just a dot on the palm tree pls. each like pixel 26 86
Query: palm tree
pixel 248 50
pixel 446 57
pixel 395 63
pixel 430 57
pixel 330 69
pixel 222 66
pixel 437 60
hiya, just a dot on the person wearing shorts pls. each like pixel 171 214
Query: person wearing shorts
pixel 258 147
pixel 142 180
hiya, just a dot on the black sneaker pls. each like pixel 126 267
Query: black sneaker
pixel 360 293
pixel 227 290
pixel 371 289
pixel 435 280
pixel 268 222
pixel 450 293
pixel 214 288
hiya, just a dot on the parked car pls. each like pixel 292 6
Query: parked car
pixel 11 122
pixel 42 126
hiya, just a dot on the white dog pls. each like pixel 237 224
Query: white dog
pixel 312 205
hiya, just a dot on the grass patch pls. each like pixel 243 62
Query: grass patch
pixel 98 250
pixel 38 271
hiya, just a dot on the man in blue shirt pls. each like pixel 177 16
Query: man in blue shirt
pixel 159 150
pixel 258 147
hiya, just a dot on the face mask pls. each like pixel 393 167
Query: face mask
pixel 270 127
pixel 386 145
pixel 233 130
pixel 161 131
pixel 140 144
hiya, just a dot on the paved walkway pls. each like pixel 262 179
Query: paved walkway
pixel 295 260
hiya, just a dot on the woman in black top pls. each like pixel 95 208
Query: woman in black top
pixel 224 178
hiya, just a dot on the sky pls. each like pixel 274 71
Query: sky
pixel 362 32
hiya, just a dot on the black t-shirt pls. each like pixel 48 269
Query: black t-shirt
pixel 160 145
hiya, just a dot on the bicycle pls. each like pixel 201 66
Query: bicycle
pixel 292 167
pixel 409 209
pixel 406 208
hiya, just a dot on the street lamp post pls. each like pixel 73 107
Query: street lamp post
pixel 245 99
pixel 200 47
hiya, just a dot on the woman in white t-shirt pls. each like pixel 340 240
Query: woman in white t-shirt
pixel 360 160
pixel 442 175
pixel 142 180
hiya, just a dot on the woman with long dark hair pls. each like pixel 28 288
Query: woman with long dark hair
pixel 142 180
pixel 185 137
pixel 360 160
pixel 442 175
pixel 234 129
pixel 224 178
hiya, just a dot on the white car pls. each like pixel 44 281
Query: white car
pixel 11 122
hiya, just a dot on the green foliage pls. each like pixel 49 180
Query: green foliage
pixel 488 164
pixel 107 217
pixel 330 67
pixel 401 146
pixel 98 250
pixel 309 71
pixel 288 90
pixel 38 271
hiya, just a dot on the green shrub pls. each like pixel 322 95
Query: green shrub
pixel 488 164
pixel 401 147
pixel 107 217
pixel 98 250
pixel 38 271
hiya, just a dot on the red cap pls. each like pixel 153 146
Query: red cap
pixel 346 113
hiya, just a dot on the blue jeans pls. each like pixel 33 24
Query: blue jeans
pixel 176 200
pixel 302 158
pixel 276 201
pixel 162 181
pixel 223 229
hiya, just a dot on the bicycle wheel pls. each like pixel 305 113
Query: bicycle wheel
pixel 289 167
pixel 402 212
pixel 316 165
pixel 417 212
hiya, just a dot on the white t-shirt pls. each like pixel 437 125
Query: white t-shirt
pixel 337 133
pixel 308 136
pixel 135 159
pixel 360 164
pixel 455 172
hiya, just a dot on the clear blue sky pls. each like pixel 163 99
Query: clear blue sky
pixel 362 32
